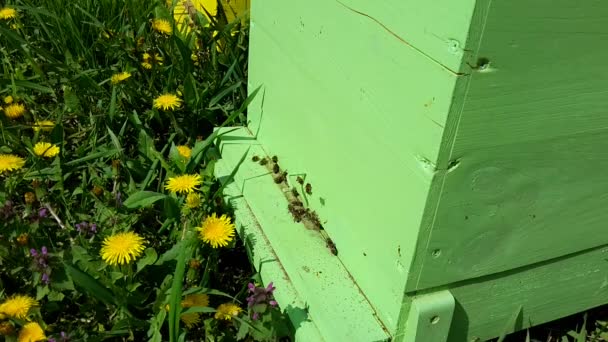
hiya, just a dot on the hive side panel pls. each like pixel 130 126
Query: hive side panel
pixel 535 295
pixel 530 143
pixel 360 114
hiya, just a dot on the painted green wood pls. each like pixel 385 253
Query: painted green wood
pixel 361 114
pixel 429 318
pixel 335 304
pixel 485 308
pixel 530 143
pixel 264 257
pixel 436 29
pixel 437 170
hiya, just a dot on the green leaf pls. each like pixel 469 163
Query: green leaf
pixel 148 259
pixel 55 296
pixel 96 155
pixel 510 325
pixel 112 111
pixel 176 294
pixel 90 285
pixel 143 199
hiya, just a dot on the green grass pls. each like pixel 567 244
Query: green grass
pixel 116 154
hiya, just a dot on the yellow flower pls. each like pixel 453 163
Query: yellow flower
pixel 183 183
pixel 184 151
pixel 146 65
pixel 217 231
pixel 121 76
pixel 162 26
pixel 14 110
pixel 10 162
pixel 158 59
pixel 31 332
pixel 167 102
pixel 190 319
pixel 29 197
pixel 193 200
pixel 145 56
pixel 7 13
pixel 17 306
pixel 45 149
pixel 8 99
pixel 45 125
pixel 122 248
pixel 199 299
pixel 227 311
pixel 6 328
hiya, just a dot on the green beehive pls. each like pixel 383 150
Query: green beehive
pixel 457 156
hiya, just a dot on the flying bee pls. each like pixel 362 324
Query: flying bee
pixel 300 180
pixel 275 168
pixel 263 161
pixel 275 159
pixel 308 188
pixel 255 159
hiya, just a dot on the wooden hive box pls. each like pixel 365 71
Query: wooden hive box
pixel 458 157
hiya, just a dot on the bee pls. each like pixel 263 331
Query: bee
pixel 313 217
pixel 280 178
pixel 331 246
pixel 275 159
pixel 263 161
pixel 308 188
pixel 255 159
pixel 275 168
pixel 300 180
pixel 295 192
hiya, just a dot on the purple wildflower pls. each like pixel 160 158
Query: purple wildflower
pixel 42 212
pixel 260 298
pixel 86 228
pixel 41 264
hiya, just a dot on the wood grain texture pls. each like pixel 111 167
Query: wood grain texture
pixel 361 115
pixel 533 295
pixel 437 29
pixel 530 145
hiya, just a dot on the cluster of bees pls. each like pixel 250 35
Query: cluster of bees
pixel 296 207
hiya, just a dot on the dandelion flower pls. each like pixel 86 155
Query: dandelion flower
pixel 227 311
pixel 122 248
pixel 193 200
pixel 199 299
pixel 14 110
pixel 183 183
pixel 158 58
pixel 121 76
pixel 167 102
pixel 193 318
pixel 31 332
pixel 217 231
pixel 146 61
pixel 10 162
pixel 190 319
pixel 162 26
pixel 45 149
pixel 7 13
pixel 45 125
pixel 17 306
pixel 8 99
pixel 184 151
